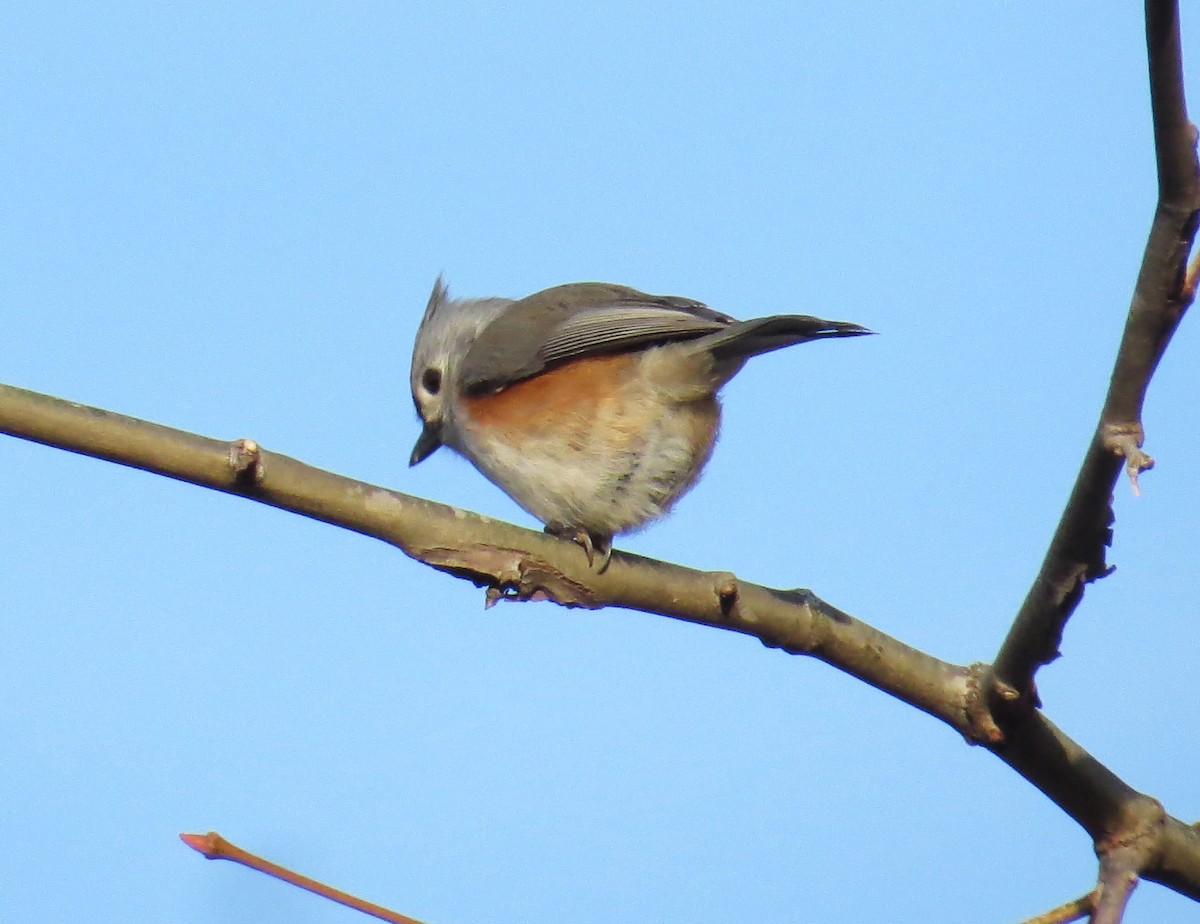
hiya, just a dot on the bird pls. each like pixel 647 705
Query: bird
pixel 594 406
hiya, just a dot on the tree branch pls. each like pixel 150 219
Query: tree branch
pixel 1076 556
pixel 215 847
pixel 1118 879
pixel 522 564
pixel 1065 914
pixel 990 705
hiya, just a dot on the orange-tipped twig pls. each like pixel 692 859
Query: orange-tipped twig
pixel 1071 911
pixel 215 847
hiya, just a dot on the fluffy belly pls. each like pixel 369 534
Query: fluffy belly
pixel 597 444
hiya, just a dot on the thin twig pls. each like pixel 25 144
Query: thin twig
pixel 1077 553
pixel 1065 914
pixel 215 847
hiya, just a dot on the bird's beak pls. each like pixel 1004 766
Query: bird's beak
pixel 427 443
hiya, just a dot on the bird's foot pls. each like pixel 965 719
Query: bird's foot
pixel 592 544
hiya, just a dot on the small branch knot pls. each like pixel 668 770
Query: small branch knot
pixel 1191 279
pixel 726 588
pixel 1125 440
pixel 977 709
pixel 246 463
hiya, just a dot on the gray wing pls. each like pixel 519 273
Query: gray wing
pixel 573 321
pixel 621 326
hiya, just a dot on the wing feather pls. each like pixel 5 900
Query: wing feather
pixel 571 322
pixel 622 327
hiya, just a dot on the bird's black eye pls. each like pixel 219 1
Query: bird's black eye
pixel 431 381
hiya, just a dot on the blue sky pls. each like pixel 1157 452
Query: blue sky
pixel 227 218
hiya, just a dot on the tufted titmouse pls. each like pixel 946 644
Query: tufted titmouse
pixel 593 406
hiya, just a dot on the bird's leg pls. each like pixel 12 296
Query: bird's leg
pixel 589 542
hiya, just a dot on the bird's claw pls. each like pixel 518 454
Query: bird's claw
pixel 590 543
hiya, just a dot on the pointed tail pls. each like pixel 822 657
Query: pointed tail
pixel 744 339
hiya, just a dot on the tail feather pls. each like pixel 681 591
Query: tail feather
pixel 744 339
